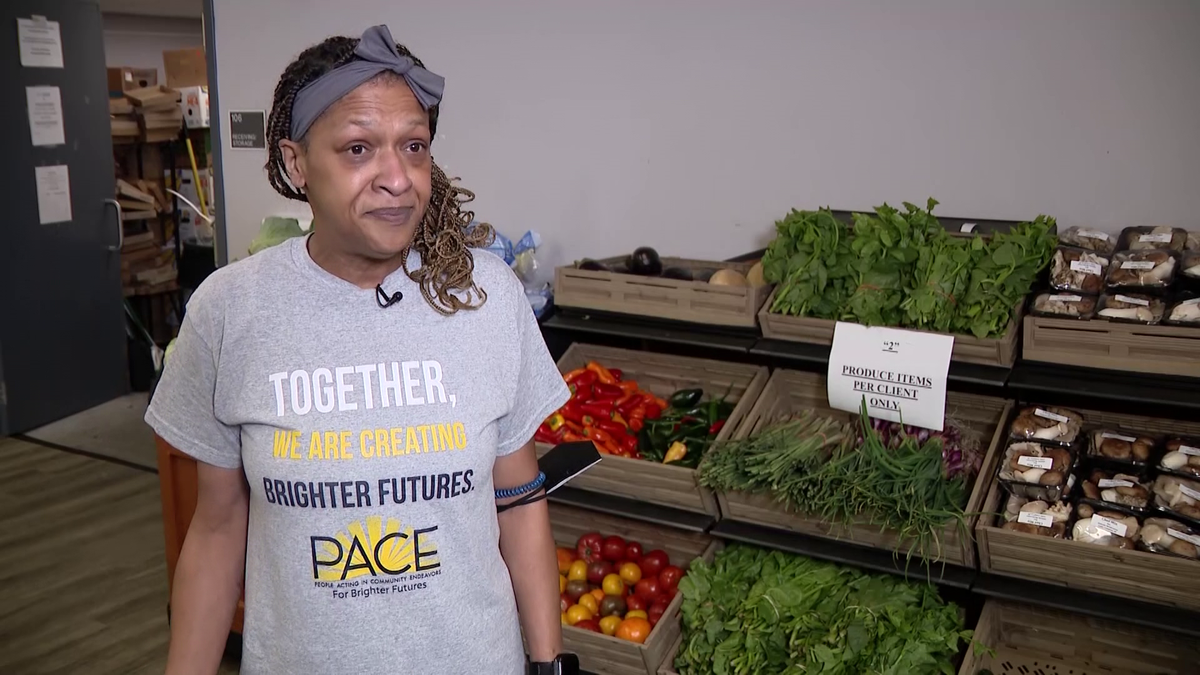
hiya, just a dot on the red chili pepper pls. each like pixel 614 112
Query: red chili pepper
pixel 629 443
pixel 635 424
pixel 601 448
pixel 608 392
pixel 610 427
pixel 584 392
pixel 574 427
pixel 543 434
pixel 603 374
pixel 628 386
pixel 601 409
pixel 598 434
pixel 620 420
pixel 572 437
pixel 588 377
pixel 627 408
pixel 652 411
pixel 716 427
pixel 571 411
pixel 616 372
pixel 661 403
pixel 574 375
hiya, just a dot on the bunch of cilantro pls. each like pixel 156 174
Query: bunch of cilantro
pixel 757 612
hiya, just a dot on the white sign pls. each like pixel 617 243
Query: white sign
pixel 1106 483
pixel 1156 238
pixel 40 43
pixel 53 194
pixel 1087 267
pixel 1109 525
pixel 45 115
pixel 900 373
pixel 1184 536
pixel 1093 234
pixel 1039 519
pixel 1046 463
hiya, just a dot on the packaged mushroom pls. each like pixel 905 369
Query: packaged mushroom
pixel 1064 306
pixel 1077 269
pixel 1171 537
pixel 1184 313
pixel 1193 241
pixel 1182 457
pixel 1047 424
pixel 1037 517
pixel 1035 471
pixel 1131 308
pixel 1102 488
pixel 1147 238
pixel 1105 528
pixel 1120 447
pixel 1191 265
pixel 1178 496
pixel 1142 269
pixel 1092 240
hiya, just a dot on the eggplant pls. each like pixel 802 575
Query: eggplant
pixel 645 262
pixel 593 266
pixel 677 273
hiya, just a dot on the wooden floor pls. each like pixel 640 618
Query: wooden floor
pixel 82 572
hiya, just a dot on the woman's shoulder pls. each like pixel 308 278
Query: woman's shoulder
pixel 495 277
pixel 245 276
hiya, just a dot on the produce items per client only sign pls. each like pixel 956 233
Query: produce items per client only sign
pixel 900 373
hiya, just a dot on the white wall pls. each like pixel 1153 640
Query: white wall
pixel 692 125
pixel 139 41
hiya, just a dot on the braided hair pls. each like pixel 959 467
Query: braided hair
pixel 441 239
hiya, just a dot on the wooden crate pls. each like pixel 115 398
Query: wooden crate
pixel 1001 351
pixel 1167 350
pixel 694 301
pixel 1140 575
pixel 1038 641
pixel 793 391
pixel 607 655
pixel 663 374
pixel 668 666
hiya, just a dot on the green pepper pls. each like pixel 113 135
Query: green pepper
pixel 686 398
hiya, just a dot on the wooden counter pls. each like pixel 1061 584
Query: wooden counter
pixel 177 483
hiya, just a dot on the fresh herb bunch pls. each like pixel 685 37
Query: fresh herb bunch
pixel 911 484
pixel 756 612
pixel 901 268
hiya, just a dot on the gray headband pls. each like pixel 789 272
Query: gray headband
pixel 375 53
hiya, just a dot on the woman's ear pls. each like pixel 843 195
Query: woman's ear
pixel 294 162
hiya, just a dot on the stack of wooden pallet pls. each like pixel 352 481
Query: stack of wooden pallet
pixel 146 267
pixel 124 123
pixel 151 115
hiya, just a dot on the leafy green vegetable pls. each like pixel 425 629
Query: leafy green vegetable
pixel 903 269
pixel 756 612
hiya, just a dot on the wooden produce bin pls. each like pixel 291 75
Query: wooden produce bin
pixel 1165 350
pixel 1001 351
pixel 607 655
pixel 662 298
pixel 1030 640
pixel 663 374
pixel 668 666
pixel 1140 575
pixel 177 484
pixel 794 391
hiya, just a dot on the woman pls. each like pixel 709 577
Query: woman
pixel 359 401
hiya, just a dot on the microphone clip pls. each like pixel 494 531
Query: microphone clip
pixel 384 299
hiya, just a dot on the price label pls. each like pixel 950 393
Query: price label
pixel 1086 267
pixel 1071 298
pixel 1109 525
pixel 1036 462
pixel 1039 519
pixel 1119 437
pixel 1137 265
pixel 1189 450
pixel 1132 301
pixel 967 228
pixel 1184 536
pixel 1190 493
pixel 1093 234
pixel 1105 483
pixel 1051 416
pixel 1155 238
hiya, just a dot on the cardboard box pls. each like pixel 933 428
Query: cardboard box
pixel 194 103
pixel 185 68
pixel 125 79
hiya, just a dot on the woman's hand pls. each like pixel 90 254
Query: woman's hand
pixel 527 546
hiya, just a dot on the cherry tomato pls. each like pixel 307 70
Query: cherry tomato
pixel 653 563
pixel 612 585
pixel 562 583
pixel 608 625
pixel 656 611
pixel 565 557
pixel 564 603
pixel 613 548
pixel 578 571
pixel 647 589
pixel 588 600
pixel 576 588
pixel 633 602
pixel 630 573
pixel 577 613
pixel 633 551
pixel 635 614
pixel 597 593
pixel 588 624
pixel 669 577
pixel 598 570
pixel 588 547
pixel 634 630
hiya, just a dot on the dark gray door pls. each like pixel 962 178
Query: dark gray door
pixel 62 325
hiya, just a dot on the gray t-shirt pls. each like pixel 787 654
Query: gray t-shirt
pixel 368 437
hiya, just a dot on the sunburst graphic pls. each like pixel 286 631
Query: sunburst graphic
pixel 382 548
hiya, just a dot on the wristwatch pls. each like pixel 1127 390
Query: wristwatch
pixel 563 664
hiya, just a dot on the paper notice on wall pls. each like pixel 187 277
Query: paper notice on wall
pixel 900 374
pixel 53 194
pixel 40 43
pixel 45 115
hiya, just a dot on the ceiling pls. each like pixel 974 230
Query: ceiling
pixel 191 9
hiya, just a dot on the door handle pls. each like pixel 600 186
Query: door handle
pixel 120 226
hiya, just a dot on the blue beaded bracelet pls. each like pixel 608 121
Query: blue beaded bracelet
pixel 525 489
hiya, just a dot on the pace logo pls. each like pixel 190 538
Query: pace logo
pixel 376 549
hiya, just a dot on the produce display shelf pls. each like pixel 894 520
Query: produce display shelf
pixel 639 328
pixel 1118 391
pixel 1098 605
pixel 631 508
pixel 863 557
